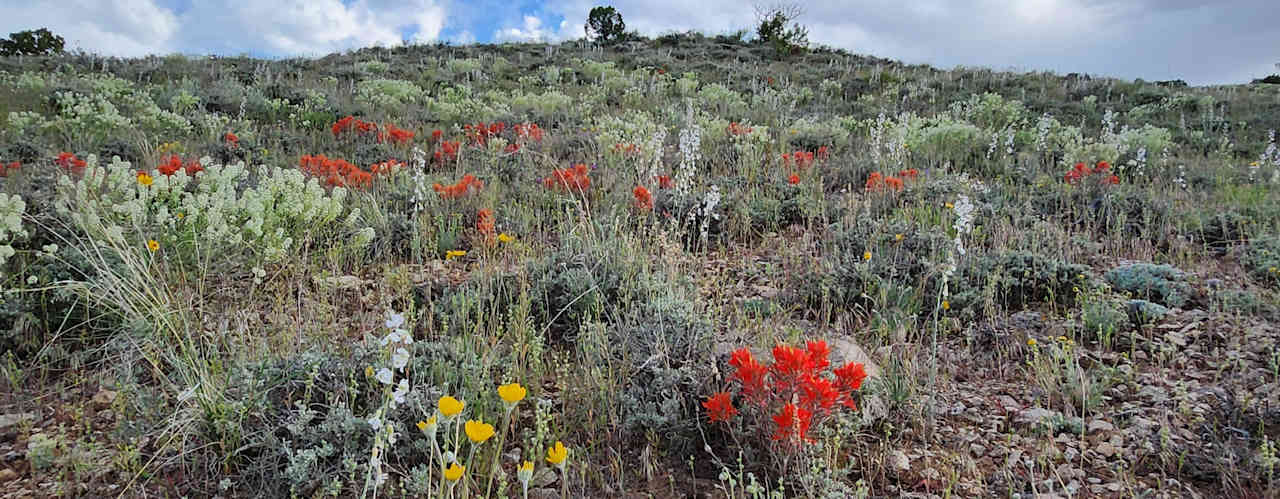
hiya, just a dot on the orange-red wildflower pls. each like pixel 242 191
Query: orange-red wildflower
pixel 571 179
pixel 644 200
pixel 468 185
pixel 664 182
pixel 231 140
pixel 719 407
pixel 793 422
pixel 794 179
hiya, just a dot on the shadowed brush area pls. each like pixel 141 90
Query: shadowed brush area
pixel 688 266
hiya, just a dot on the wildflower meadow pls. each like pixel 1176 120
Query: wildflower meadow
pixel 686 266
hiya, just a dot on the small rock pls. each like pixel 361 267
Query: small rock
pixel 103 398
pixel 1098 425
pixel 1094 480
pixel 1106 449
pixel 7 420
pixel 1034 415
pixel 7 475
pixel 544 493
pixel 899 461
pixel 542 478
pixel 977 449
pixel 1114 486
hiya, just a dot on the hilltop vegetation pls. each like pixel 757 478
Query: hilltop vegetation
pixel 711 267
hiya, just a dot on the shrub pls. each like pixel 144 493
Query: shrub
pixel 1262 259
pixel 1016 279
pixel 1162 284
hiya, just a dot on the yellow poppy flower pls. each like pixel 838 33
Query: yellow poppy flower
pixel 153 245
pixel 898 237
pixel 525 472
pixel 454 472
pixel 946 305
pixel 145 179
pixel 505 238
pixel 451 254
pixel 1031 342
pixel 450 406
pixel 478 431
pixel 512 393
pixel 557 454
pixel 866 255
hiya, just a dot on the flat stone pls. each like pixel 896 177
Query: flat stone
pixel 899 461
pixel 977 449
pixel 1034 415
pixel 7 475
pixel 1098 425
pixel 1106 449
pixel 7 420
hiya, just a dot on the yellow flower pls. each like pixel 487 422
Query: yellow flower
pixel 368 371
pixel 949 206
pixel 451 254
pixel 454 472
pixel 478 431
pixel 1255 163
pixel 512 393
pixel 525 472
pixel 557 454
pixel 866 255
pixel 153 245
pixel 428 427
pixel 946 305
pixel 1031 342
pixel 450 406
pixel 1272 270
pixel 898 237
pixel 504 238
pixel 145 179
pixel 1062 339
pixel 180 215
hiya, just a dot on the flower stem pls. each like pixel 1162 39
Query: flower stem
pixel 502 440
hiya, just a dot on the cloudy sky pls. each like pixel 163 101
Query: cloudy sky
pixel 1201 41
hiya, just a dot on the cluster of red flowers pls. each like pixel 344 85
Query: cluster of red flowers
pixel 738 129
pixel 70 163
pixel 395 134
pixel 231 140
pixel 335 172
pixel 485 224
pixel 804 159
pixel 572 179
pixel 446 151
pixel 386 167
pixel 479 133
pixel 664 182
pixel 469 184
pixel 350 123
pixel 626 149
pixel 528 131
pixel 644 200
pixel 877 182
pixel 795 379
pixel 5 168
pixel 174 163
pixel 1081 171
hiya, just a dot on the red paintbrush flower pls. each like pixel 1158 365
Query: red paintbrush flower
pixel 719 407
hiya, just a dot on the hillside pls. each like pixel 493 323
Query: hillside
pixel 706 270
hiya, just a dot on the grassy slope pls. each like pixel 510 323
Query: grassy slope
pixel 225 367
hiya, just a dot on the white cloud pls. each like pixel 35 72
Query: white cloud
pixel 308 27
pixel 532 30
pixel 112 27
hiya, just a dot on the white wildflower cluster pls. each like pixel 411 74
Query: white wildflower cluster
pixel 396 343
pixel 11 208
pixel 1270 155
pixel 1138 164
pixel 690 154
pixel 1043 125
pixel 267 217
pixel 877 136
pixel 418 160
pixel 709 203
pixel 964 221
pixel 655 148
pixel 995 140
pixel 1108 125
pixel 1008 141
pixel 1181 179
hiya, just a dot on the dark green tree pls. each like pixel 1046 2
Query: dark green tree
pixel 604 25
pixel 773 29
pixel 38 42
